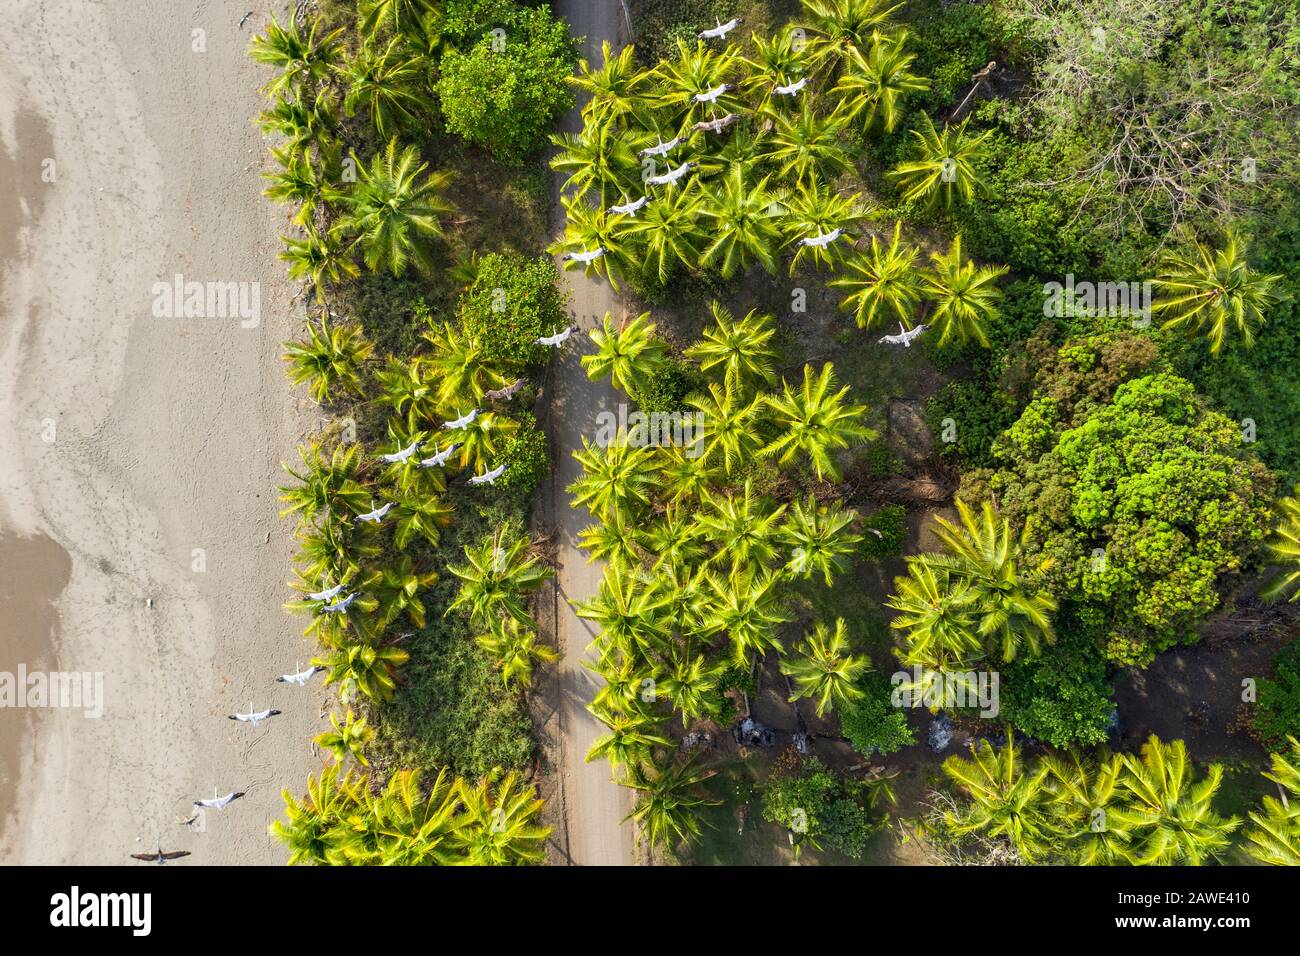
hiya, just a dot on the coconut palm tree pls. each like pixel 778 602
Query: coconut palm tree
pixel 390 83
pixel 588 228
pixel 629 610
pixel 1214 293
pixel 482 440
pixel 840 27
pixel 873 84
pixel 617 90
pixel 696 69
pixel 420 514
pixel 602 158
pixel 633 735
pixel 1167 811
pixel 935 611
pixel 1284 549
pixel 744 528
pixel 814 210
pixel 458 365
pixel 746 606
pixel 965 296
pixel 401 15
pixel 1012 614
pixel 616 479
pixel 303 120
pixel 690 682
pixel 730 435
pixel 397 588
pixel 330 359
pixel 685 475
pixel 1274 834
pixel 297 181
pixel 824 668
pixel 319 259
pixel 1006 799
pixel 666 233
pixel 617 538
pixel 815 422
pixel 944 170
pixel 820 540
pixel 500 822
pixel 414 828
pixel 303 58
pixel 667 800
pixel 806 145
pixel 312 830
pixel 412 395
pixel 348 738
pixel 739 349
pixel 497 577
pixel 738 222
pixel 673 537
pixel 1086 792
pixel 884 283
pixel 328 484
pixel 515 649
pixel 368 666
pixel 628 353
pixel 393 208
pixel 777 61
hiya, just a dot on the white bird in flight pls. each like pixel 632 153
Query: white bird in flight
pixel 661 148
pixel 630 208
pixel 489 477
pixel 904 336
pixel 402 455
pixel 376 515
pixel 463 422
pixel 556 339
pixel 586 257
pixel 338 607
pixel 255 718
pixel 792 88
pixel 823 240
pixel 219 803
pixel 672 175
pixel 327 595
pixel 720 31
pixel 712 95
pixel 300 678
pixel 439 460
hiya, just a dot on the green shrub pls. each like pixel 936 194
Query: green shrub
pixel 505 100
pixel 1145 499
pixel 513 302
pixel 1061 696
pixel 525 455
pixel 665 389
pixel 891 522
pixel 873 725
pixel 1277 712
pixel 825 809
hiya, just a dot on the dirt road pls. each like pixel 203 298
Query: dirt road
pixel 594 806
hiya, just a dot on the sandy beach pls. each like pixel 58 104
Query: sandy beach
pixel 139 453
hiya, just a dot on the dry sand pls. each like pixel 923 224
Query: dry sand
pixel 129 442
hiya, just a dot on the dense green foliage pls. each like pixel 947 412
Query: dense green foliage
pixel 503 91
pixel 819 807
pixel 1146 500
pixel 872 724
pixel 1062 696
pixel 1276 714
pixel 513 301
